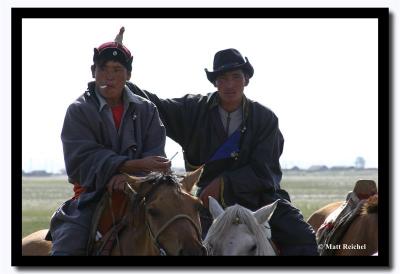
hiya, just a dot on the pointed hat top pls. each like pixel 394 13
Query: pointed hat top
pixel 120 36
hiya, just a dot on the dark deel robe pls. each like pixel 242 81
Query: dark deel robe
pixel 252 176
pixel 93 151
pixel 190 120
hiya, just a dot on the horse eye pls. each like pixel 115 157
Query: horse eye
pixel 253 248
pixel 153 212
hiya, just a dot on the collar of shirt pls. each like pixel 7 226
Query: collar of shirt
pixel 128 97
pixel 213 100
pixel 231 120
pixel 234 114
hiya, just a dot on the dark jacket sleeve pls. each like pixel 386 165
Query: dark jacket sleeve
pixel 173 112
pixel 154 139
pixel 259 177
pixel 87 160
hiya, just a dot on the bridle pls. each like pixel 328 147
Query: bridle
pixel 142 199
pixel 161 230
pixel 269 238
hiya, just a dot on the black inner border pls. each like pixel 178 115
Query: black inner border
pixel 384 155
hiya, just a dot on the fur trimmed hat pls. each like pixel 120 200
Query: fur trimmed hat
pixel 114 51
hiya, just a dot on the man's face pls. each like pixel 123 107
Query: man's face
pixel 111 77
pixel 230 87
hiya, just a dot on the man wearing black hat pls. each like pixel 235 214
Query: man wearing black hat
pixel 107 131
pixel 239 143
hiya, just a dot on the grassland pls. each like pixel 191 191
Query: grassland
pixel 40 198
pixel 308 190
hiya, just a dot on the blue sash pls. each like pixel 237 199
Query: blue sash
pixel 229 149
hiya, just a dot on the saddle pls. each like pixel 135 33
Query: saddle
pixel 337 223
pixel 107 222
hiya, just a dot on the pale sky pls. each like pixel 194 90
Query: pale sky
pixel 319 76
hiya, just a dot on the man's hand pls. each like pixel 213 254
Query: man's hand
pixel 117 183
pixel 155 163
pixel 213 190
pixel 146 164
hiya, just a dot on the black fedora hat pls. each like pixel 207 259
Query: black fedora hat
pixel 228 60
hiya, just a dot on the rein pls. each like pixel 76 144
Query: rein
pixel 274 247
pixel 269 238
pixel 176 217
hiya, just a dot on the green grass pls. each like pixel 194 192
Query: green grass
pixel 40 198
pixel 308 191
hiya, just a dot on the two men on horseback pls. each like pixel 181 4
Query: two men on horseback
pixel 239 143
pixel 107 131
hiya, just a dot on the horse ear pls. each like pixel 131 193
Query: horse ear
pixel 265 213
pixel 191 179
pixel 214 207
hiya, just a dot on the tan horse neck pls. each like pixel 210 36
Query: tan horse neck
pixel 136 238
pixel 133 238
pixel 364 232
pixel 364 229
pixel 36 245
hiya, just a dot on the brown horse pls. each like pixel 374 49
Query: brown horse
pixel 162 218
pixel 360 238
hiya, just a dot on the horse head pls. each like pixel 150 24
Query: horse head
pixel 168 213
pixel 239 231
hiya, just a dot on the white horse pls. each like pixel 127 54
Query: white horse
pixel 238 231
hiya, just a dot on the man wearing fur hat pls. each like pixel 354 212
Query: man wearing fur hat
pixel 107 131
pixel 239 143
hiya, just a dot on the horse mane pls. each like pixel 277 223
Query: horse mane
pixel 227 218
pixel 160 178
pixel 370 206
pixel 155 179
